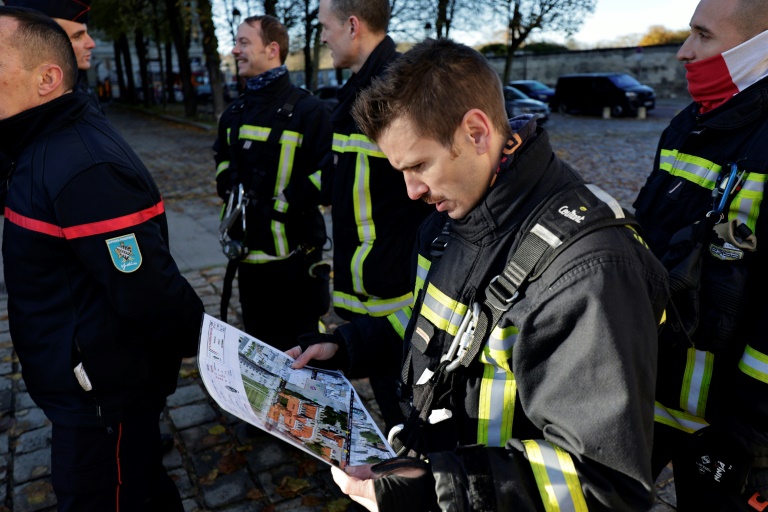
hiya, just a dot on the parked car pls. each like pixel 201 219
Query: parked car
pixel 328 93
pixel 518 103
pixel 591 92
pixel 534 89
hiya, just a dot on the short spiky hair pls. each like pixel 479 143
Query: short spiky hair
pixel 272 31
pixel 433 85
pixel 41 40
pixel 752 17
pixel 374 13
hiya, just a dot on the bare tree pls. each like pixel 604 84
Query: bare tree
pixel 212 59
pixel 525 16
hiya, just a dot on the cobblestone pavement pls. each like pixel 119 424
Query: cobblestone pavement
pixel 216 464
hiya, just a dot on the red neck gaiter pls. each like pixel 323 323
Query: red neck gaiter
pixel 715 80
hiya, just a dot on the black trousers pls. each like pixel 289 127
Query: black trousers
pixel 117 467
pixel 691 494
pixel 280 300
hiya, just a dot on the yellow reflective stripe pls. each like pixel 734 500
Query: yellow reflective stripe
pixel 680 420
pixel 399 320
pixel 422 269
pixel 258 257
pixel 372 306
pixel 316 178
pixel 223 166
pixel 556 477
pixel 698 375
pixel 746 204
pixel 366 230
pixel 754 364
pixel 444 312
pixel 356 143
pixel 692 168
pixel 289 141
pixel 496 407
pixel 251 132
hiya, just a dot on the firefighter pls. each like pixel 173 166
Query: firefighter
pixel 99 313
pixel 374 222
pixel 701 210
pixel 531 394
pixel 272 146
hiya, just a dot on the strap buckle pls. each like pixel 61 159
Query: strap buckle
pixel 500 295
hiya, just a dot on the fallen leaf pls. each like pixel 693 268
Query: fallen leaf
pixel 217 430
pixel 290 487
pixel 339 505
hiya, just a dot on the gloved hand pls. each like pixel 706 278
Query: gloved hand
pixel 339 360
pixel 223 186
pixel 715 458
pixel 403 484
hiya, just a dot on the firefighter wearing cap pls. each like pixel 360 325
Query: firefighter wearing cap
pixel 72 16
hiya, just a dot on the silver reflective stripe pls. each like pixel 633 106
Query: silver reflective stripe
pixel 694 169
pixel 698 374
pixel 607 199
pixel 262 257
pixel 754 364
pixel 254 132
pixel 444 312
pixel 556 477
pixel 372 306
pixel 366 231
pixel 546 235
pixel 680 420
pixel 223 166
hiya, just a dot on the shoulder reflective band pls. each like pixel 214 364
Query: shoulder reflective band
pixel 680 420
pixel 444 312
pixel 399 320
pixel 754 364
pixel 556 477
pixel 698 375
pixel 83 230
pixel 496 407
pixel 372 306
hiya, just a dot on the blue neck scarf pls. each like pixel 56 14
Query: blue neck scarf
pixel 259 82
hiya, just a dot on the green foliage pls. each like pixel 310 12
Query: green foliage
pixel 545 47
pixel 494 50
pixel 658 34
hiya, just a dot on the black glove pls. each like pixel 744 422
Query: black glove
pixel 223 186
pixel 715 458
pixel 339 361
pixel 395 493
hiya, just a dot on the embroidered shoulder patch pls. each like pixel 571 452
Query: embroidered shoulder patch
pixel 125 253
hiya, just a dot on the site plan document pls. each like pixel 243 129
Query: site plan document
pixel 315 410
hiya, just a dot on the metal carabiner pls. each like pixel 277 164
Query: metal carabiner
pixel 726 186
pixel 466 336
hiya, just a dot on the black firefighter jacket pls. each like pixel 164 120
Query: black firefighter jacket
pixel 285 198
pixel 88 269
pixel 560 398
pixel 720 375
pixel 374 221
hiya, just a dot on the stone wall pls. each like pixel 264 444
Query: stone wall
pixel 655 66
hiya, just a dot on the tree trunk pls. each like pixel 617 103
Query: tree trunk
pixel 182 52
pixel 119 70
pixel 508 66
pixel 316 57
pixel 130 93
pixel 212 59
pixel 270 7
pixel 141 50
pixel 156 32
pixel 170 76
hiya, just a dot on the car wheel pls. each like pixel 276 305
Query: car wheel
pixel 562 108
pixel 617 111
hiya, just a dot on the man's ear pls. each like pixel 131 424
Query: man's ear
pixel 354 27
pixel 274 50
pixel 49 79
pixel 477 127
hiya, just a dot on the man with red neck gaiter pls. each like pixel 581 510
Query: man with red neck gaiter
pixel 703 213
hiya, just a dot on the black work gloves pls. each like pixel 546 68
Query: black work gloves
pixel 715 458
pixel 396 492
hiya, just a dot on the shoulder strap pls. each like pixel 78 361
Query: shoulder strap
pixel 284 115
pixel 573 213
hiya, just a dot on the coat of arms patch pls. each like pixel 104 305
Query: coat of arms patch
pixel 125 253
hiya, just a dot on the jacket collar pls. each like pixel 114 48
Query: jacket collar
pixel 519 187
pixel 275 87
pixel 18 131
pixel 374 65
pixel 743 109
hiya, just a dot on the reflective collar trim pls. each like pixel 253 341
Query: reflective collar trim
pixel 754 364
pixel 556 477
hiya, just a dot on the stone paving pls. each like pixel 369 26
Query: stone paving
pixel 216 463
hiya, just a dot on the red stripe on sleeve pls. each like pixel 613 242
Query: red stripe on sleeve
pixel 93 228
